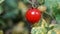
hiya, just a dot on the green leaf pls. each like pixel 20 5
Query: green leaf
pixel 12 3
pixel 38 30
pixel 11 14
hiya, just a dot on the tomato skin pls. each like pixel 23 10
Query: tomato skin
pixel 33 15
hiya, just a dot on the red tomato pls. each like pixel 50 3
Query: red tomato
pixel 33 15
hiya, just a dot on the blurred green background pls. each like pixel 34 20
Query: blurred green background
pixel 13 21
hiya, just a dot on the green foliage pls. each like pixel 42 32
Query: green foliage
pixel 1 1
pixel 55 30
pixel 11 14
pixel 1 9
pixel 38 30
pixel 2 24
pixel 58 18
pixel 12 3
pixel 51 32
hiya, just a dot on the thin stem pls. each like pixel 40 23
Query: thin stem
pixel 32 3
